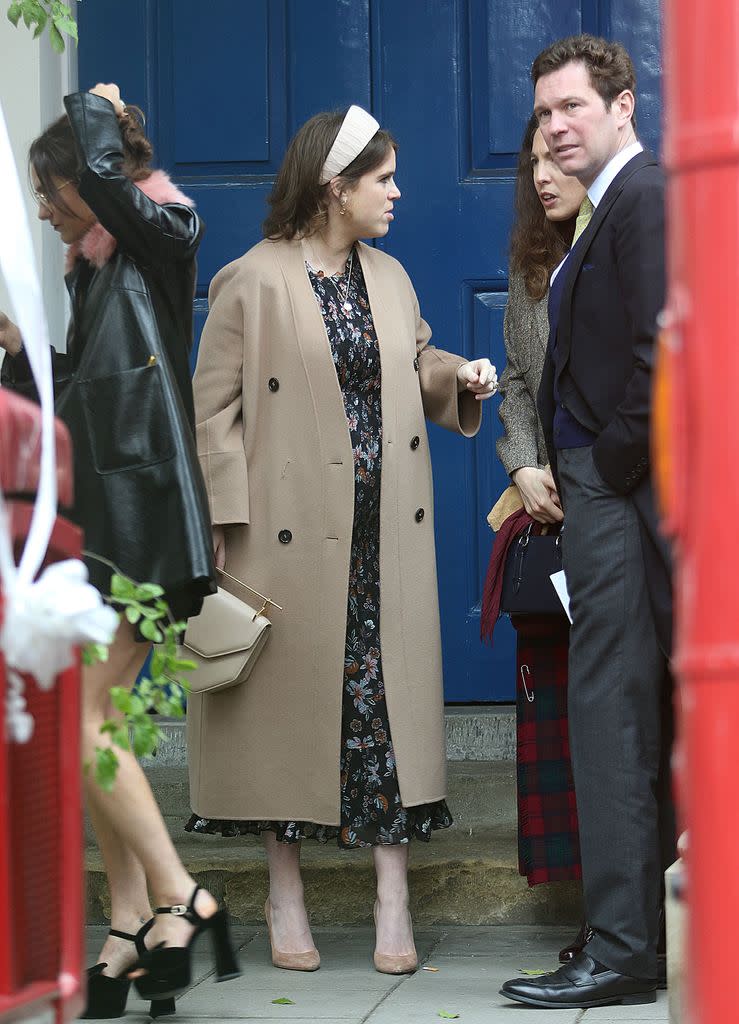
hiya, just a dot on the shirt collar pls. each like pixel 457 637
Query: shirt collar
pixel 600 186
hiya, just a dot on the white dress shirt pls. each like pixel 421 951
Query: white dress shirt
pixel 600 186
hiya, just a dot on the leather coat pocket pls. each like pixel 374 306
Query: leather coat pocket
pixel 126 419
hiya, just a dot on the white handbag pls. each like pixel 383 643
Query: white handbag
pixel 225 639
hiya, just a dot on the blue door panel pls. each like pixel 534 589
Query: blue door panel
pixel 225 85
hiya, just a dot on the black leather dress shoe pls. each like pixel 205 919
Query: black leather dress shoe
pixel 577 945
pixel 581 984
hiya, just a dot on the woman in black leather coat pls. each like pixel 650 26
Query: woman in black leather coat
pixel 123 388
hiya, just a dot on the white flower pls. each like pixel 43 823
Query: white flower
pixel 47 619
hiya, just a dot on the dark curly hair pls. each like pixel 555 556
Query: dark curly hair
pixel 537 244
pixel 54 154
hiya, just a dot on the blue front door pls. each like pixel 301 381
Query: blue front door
pixel 224 86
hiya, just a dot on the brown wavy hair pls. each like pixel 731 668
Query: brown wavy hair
pixel 537 244
pixel 54 154
pixel 298 201
pixel 609 66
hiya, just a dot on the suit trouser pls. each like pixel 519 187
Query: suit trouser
pixel 617 695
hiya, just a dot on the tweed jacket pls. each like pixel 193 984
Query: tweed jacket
pixel 279 470
pixel 525 333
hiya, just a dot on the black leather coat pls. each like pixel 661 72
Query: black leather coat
pixel 123 386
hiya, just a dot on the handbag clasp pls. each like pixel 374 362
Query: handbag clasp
pixel 267 602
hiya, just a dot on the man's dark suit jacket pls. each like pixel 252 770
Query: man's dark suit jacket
pixel 613 292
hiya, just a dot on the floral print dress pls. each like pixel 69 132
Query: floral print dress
pixel 371 809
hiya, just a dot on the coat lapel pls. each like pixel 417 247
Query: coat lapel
pixel 577 257
pixel 388 328
pixel 316 356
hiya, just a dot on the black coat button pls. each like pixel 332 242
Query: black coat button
pixel 273 384
pixel 415 364
pixel 419 514
pixel 284 536
pixel 415 441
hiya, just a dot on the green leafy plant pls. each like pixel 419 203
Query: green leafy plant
pixel 37 14
pixel 162 691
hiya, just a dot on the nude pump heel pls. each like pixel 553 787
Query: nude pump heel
pixel 385 963
pixel 310 960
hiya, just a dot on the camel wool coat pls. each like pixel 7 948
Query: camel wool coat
pixel 278 466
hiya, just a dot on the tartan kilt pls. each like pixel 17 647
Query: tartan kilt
pixel 548 838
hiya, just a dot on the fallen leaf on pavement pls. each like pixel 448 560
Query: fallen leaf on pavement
pixel 533 973
pixel 446 1015
pixel 284 1001
pixel 434 970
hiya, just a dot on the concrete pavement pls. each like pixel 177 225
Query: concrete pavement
pixel 472 963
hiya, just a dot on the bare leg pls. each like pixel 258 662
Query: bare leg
pixel 129 899
pixel 130 811
pixel 393 919
pixel 290 929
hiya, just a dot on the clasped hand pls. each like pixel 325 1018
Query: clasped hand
pixel 479 377
pixel 539 494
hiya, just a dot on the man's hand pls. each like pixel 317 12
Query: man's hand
pixel 110 92
pixel 219 546
pixel 479 377
pixel 10 336
pixel 539 494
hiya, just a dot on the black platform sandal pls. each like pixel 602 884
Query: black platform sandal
pixel 168 968
pixel 107 996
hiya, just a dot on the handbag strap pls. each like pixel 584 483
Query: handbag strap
pixel 268 602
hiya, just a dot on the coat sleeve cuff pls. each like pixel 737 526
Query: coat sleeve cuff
pixel 443 403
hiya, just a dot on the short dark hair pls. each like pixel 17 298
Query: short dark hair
pixel 608 64
pixel 298 201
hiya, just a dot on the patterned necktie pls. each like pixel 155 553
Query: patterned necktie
pixel 583 218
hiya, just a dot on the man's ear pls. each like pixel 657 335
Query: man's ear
pixel 624 105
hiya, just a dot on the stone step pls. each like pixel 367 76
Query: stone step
pixel 484 733
pixel 467 874
pixel 460 877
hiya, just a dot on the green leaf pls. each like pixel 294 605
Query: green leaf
pixel 183 665
pixel 446 1015
pixel 150 613
pixel 14 13
pixel 533 973
pixel 133 614
pixel 283 1001
pixel 118 734
pixel 147 591
pixel 106 767
pixel 150 631
pixel 120 586
pixel 121 699
pixel 92 654
pixel 138 705
pixel 41 18
pixel 146 738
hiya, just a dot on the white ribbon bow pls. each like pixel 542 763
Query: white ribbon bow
pixel 42 620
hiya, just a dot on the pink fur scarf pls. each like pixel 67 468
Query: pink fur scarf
pixel 98 245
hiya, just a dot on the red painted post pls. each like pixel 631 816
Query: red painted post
pixel 41 880
pixel 701 345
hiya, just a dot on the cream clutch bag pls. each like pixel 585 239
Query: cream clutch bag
pixel 226 639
